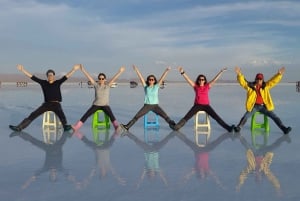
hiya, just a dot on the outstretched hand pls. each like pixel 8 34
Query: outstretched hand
pixel 180 68
pixel 281 70
pixel 237 70
pixel 20 67
pixel 77 66
pixel 122 69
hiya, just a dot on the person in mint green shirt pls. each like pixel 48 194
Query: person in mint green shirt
pixel 151 102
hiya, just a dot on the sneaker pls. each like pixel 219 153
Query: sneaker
pixel 231 128
pixel 124 127
pixel 237 129
pixel 287 130
pixel 15 128
pixel 67 128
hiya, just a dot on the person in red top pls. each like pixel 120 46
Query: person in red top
pixel 201 87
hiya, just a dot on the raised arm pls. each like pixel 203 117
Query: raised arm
pixel 89 77
pixel 115 77
pixel 75 68
pixel 139 75
pixel 22 69
pixel 161 79
pixel 213 81
pixel 185 76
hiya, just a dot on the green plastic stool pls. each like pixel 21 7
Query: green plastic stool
pixel 100 120
pixel 260 124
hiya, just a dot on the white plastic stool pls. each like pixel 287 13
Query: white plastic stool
pixel 50 120
pixel 202 120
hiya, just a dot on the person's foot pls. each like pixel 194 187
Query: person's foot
pixel 67 128
pixel 286 130
pixel 124 127
pixel 237 129
pixel 231 128
pixel 15 128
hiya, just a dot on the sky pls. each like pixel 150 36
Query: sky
pixel 202 36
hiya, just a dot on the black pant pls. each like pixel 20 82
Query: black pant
pixel 49 106
pixel 209 110
pixel 106 109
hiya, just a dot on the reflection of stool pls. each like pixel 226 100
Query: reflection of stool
pixel 100 136
pixel 151 120
pixel 50 120
pixel 198 138
pixel 52 135
pixel 259 139
pixel 260 124
pixel 100 120
pixel 202 120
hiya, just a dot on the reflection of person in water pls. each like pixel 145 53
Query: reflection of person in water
pixel 202 169
pixel 151 153
pixel 259 161
pixel 53 159
pixel 102 156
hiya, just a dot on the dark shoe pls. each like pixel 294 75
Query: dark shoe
pixel 15 128
pixel 231 128
pixel 286 130
pixel 67 128
pixel 237 129
pixel 124 127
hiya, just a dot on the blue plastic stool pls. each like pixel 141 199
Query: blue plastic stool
pixel 260 124
pixel 100 120
pixel 151 120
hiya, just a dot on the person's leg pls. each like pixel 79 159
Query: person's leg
pixel 57 109
pixel 277 120
pixel 85 116
pixel 188 116
pixel 146 108
pixel 40 110
pixel 107 110
pixel 210 111
pixel 245 118
pixel 158 110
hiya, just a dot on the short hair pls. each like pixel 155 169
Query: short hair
pixel 50 71
pixel 102 74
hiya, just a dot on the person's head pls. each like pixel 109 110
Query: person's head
pixel 101 78
pixel 201 80
pixel 151 79
pixel 50 75
pixel 259 78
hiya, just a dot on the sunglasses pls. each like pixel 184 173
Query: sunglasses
pixel 258 79
pixel 101 78
pixel 201 79
pixel 151 79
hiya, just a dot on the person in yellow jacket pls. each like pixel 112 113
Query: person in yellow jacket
pixel 259 98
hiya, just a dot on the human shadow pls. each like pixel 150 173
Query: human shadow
pixel 259 155
pixel 100 144
pixel 202 169
pixel 52 144
pixel 151 145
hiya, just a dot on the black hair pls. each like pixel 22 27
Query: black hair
pixel 197 80
pixel 50 71
pixel 101 74
pixel 149 76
